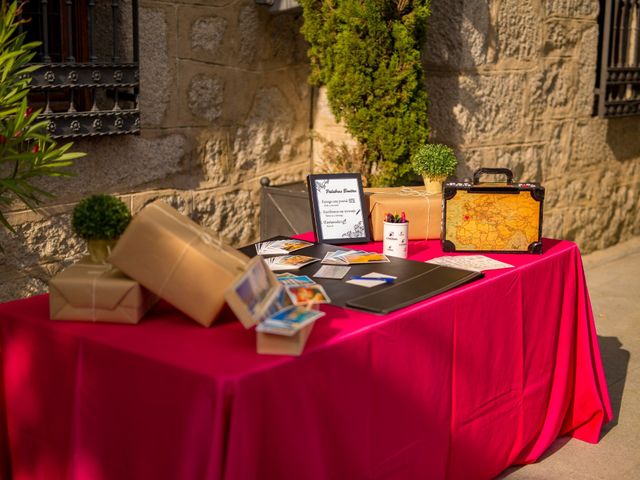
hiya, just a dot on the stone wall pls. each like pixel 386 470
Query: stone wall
pixel 224 101
pixel 511 85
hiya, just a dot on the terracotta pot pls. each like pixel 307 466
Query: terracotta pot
pixel 100 249
pixel 433 185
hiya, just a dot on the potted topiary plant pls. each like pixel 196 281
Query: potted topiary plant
pixel 435 162
pixel 100 220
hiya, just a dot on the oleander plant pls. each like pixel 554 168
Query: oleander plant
pixel 27 151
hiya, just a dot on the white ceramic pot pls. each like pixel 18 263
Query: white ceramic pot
pixel 396 239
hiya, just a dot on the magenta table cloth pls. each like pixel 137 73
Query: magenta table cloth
pixel 459 386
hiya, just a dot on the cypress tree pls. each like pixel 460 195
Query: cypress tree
pixel 368 55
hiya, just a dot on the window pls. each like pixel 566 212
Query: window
pixel 88 84
pixel 618 74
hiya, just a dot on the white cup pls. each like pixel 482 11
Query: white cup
pixel 396 239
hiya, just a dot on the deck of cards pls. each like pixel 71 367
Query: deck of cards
pixel 302 294
pixel 353 257
pixel 289 321
pixel 281 247
pixel 289 262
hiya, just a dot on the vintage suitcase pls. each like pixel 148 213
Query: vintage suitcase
pixel 492 217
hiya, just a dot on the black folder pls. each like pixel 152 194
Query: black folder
pixel 415 281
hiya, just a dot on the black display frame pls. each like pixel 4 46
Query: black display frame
pixel 315 210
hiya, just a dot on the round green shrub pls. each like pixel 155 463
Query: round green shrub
pixel 100 217
pixel 434 160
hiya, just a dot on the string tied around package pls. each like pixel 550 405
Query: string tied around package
pixel 199 234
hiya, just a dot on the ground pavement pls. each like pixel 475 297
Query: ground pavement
pixel 613 277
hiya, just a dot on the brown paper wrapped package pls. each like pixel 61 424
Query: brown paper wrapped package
pixel 424 212
pixel 178 260
pixel 99 293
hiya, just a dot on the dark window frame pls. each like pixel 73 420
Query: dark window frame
pixel 72 77
pixel 618 69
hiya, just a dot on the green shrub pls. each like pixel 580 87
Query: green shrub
pixel 368 54
pixel 100 217
pixel 27 151
pixel 434 160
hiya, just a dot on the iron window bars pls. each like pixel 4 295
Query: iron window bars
pixel 618 80
pixel 85 86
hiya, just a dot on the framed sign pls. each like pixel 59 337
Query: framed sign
pixel 338 207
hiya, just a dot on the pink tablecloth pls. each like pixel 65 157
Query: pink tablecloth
pixel 458 386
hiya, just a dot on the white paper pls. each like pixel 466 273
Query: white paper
pixel 330 271
pixel 370 283
pixel 475 263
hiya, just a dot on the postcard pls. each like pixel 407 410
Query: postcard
pixel 253 287
pixel 289 262
pixel 289 321
pixel 302 295
pixel 366 257
pixel 296 280
pixel 475 263
pixel 279 247
pixel 332 271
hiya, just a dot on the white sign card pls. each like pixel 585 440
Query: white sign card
pixel 339 210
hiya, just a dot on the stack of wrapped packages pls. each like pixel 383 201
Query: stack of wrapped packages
pixel 161 254
pixel 424 210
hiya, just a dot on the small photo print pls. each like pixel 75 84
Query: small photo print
pixel 254 286
pixel 295 315
pixel 301 295
pixel 366 257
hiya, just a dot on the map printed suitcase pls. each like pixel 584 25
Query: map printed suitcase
pixel 492 217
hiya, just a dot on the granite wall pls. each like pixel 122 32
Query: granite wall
pixel 224 101
pixel 511 84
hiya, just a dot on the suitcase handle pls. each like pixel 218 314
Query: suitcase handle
pixel 492 171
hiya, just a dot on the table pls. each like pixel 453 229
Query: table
pixel 459 386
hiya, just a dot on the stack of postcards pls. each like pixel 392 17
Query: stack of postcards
pixel 353 257
pixel 289 262
pixel 281 247
pixel 294 307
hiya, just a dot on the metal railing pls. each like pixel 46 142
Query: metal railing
pixel 618 89
pixel 88 83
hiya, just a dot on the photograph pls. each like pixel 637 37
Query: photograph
pixel 301 295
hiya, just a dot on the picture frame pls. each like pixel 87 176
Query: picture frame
pixel 338 208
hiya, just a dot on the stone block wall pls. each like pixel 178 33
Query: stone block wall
pixel 511 84
pixel 224 101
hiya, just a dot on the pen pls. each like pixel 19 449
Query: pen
pixel 377 279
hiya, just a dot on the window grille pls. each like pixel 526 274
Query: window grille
pixel 618 81
pixel 88 83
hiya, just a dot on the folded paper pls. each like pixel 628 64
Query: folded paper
pixel 96 292
pixel 424 211
pixel 178 260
